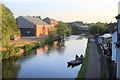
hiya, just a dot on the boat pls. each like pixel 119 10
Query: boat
pixel 78 60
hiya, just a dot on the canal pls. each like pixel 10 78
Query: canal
pixel 47 62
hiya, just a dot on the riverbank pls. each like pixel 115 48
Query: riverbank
pixel 82 72
pixel 13 51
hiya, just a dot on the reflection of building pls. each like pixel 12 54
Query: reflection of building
pixel 46 48
pixel 39 51
pixel 51 22
pixel 55 44
pixel 32 26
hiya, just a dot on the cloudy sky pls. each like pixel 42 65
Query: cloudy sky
pixel 66 10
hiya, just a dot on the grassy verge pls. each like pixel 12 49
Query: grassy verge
pixel 83 69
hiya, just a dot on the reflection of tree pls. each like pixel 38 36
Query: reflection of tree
pixel 10 69
pixel 61 46
pixel 28 53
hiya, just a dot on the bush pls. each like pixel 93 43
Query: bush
pixel 10 52
pixel 42 42
pixel 28 47
pixel 17 50
pixel 5 55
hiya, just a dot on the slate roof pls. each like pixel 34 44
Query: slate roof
pixel 35 21
pixel 115 29
pixel 118 17
pixel 111 25
pixel 47 19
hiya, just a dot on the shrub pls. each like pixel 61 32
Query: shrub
pixel 28 47
pixel 5 55
pixel 17 49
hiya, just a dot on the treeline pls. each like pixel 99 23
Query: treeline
pixel 97 28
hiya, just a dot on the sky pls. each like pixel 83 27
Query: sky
pixel 90 11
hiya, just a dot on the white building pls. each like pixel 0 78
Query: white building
pixel 114 48
pixel 118 46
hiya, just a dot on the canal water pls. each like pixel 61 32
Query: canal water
pixel 47 62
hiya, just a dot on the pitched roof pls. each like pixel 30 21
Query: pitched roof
pixel 118 17
pixel 35 21
pixel 115 29
pixel 47 19
pixel 111 25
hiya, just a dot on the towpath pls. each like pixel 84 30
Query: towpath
pixel 93 67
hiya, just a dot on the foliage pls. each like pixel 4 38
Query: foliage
pixel 10 51
pixel 28 47
pixel 9 25
pixel 28 53
pixel 94 28
pixel 51 37
pixel 17 49
pixel 42 42
pixel 68 32
pixel 62 29
pixel 75 29
pixel 10 69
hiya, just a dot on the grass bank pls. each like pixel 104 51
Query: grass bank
pixel 13 51
pixel 83 69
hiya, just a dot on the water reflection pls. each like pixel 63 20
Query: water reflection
pixel 61 47
pixel 10 69
pixel 47 62
pixel 38 51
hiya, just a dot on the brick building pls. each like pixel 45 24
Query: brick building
pixel 51 22
pixel 31 26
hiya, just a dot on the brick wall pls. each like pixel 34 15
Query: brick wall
pixel 42 30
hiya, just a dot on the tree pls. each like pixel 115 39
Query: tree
pixel 51 37
pixel 75 28
pixel 68 32
pixel 62 29
pixel 94 28
pixel 9 26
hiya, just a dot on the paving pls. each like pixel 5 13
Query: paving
pixel 93 67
